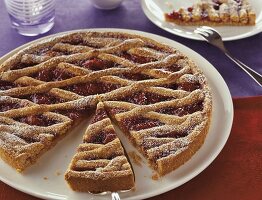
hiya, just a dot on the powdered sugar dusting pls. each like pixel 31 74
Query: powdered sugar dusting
pixel 134 66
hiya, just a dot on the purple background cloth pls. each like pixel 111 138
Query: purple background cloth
pixel 80 14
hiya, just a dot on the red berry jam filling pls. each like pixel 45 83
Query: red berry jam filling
pixel 42 51
pixel 140 123
pixel 155 98
pixel 114 111
pixel 181 111
pixel 28 139
pixel 164 153
pixel 100 115
pixel 96 64
pixel 75 114
pixel 60 74
pixel 171 86
pixel 190 9
pixel 136 58
pixel 108 87
pixel 84 89
pixel 187 86
pixel 36 120
pixel 48 52
pixel 135 76
pixel 144 98
pixel 22 65
pixel 9 106
pixel 204 15
pixel 217 4
pixel 172 68
pixel 52 75
pixel 175 15
pixel 92 88
pixel 43 98
pixel 44 75
pixel 172 134
pixel 5 85
pixel 239 2
pixel 137 98
pixel 103 137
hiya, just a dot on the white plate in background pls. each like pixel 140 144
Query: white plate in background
pixel 155 9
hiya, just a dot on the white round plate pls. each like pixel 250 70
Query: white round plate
pixel 45 179
pixel 155 9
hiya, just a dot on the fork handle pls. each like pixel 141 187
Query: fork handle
pixel 252 73
pixel 115 196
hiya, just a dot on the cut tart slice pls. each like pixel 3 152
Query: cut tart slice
pixel 214 12
pixel 100 163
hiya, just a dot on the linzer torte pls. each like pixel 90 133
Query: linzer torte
pixel 157 96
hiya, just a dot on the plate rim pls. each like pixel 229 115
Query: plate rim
pixel 156 21
pixel 153 36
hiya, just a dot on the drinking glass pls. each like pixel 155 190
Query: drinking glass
pixel 31 17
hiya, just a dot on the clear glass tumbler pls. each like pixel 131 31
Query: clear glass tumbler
pixel 31 17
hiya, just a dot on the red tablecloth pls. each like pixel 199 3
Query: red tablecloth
pixel 235 174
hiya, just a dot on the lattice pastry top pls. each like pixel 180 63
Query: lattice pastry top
pixel 214 12
pixel 157 95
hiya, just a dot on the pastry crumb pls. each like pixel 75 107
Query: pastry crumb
pixel 155 177
pixel 45 178
pixel 58 173
pixel 135 157
pixel 169 5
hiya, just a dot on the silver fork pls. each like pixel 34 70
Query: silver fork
pixel 214 38
pixel 114 195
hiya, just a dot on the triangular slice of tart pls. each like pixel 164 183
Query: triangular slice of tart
pixel 100 163
pixel 214 12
